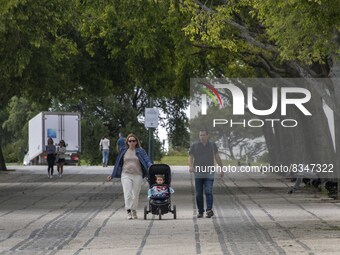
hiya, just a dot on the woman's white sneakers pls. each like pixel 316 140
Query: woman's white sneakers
pixel 131 214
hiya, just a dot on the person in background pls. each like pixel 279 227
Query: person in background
pixel 61 157
pixel 120 142
pixel 104 146
pixel 132 165
pixel 51 153
pixel 304 173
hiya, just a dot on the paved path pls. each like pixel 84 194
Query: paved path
pixel 82 214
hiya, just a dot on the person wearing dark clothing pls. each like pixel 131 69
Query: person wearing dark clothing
pixel 120 142
pixel 51 152
pixel 202 157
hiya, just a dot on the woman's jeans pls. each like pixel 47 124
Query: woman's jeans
pixel 205 184
pixel 105 154
pixel 132 185
pixel 50 163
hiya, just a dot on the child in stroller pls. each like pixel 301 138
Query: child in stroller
pixel 160 190
pixel 159 193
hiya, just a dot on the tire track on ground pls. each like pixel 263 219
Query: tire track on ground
pixel 28 188
pixel 244 234
pixel 287 231
pixel 194 217
pixel 70 222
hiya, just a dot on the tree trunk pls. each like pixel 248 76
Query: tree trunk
pixel 269 137
pixel 309 142
pixel 336 84
pixel 230 147
pixel 291 141
pixel 322 149
pixel 337 151
pixel 2 161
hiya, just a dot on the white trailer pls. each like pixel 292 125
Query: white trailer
pixel 58 126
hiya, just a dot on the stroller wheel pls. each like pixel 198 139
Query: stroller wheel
pixel 174 212
pixel 145 212
pixel 159 212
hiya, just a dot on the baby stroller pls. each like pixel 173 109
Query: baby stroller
pixel 160 205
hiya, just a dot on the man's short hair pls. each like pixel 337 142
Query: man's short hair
pixel 204 130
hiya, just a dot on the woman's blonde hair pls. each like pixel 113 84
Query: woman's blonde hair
pixel 135 137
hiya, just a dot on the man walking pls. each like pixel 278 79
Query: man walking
pixel 202 156
pixel 120 142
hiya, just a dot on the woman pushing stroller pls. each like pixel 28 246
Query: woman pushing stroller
pixel 131 166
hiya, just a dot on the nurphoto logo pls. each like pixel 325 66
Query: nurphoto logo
pixel 242 98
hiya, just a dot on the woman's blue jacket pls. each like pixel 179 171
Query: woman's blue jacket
pixel 143 159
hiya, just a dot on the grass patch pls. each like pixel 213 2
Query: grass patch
pixel 174 160
pixel 182 160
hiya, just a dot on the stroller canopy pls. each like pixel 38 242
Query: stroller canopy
pixel 159 169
